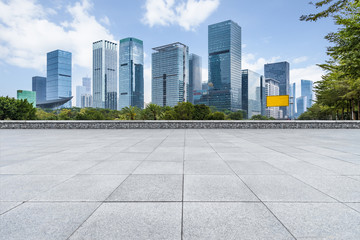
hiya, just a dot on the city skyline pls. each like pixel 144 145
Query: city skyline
pixel 256 45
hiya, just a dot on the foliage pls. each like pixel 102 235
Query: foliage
pixel 316 112
pixel 201 112
pixel 153 111
pixel 239 115
pixel 184 111
pixel 217 116
pixel 261 117
pixel 15 109
pixel 130 112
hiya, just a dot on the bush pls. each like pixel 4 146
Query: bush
pixel 201 112
pixel 184 111
pixel 16 109
pixel 261 117
pixel 217 116
pixel 239 115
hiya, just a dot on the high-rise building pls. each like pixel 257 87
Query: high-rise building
pixel 307 90
pixel 86 82
pixel 58 81
pixel 86 101
pixel 195 76
pixel 253 93
pixel 30 96
pixel 301 103
pixel 170 74
pixel 80 91
pixel 105 74
pixel 292 100
pixel 131 73
pixel 39 86
pixel 224 43
pixel 281 72
pixel 272 89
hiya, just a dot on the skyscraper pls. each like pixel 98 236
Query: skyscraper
pixel 301 103
pixel 86 82
pixel 281 72
pixel 292 100
pixel 224 40
pixel 170 74
pixel 58 81
pixel 195 76
pixel 30 96
pixel 80 91
pixel 272 89
pixel 105 74
pixel 131 73
pixel 39 86
pixel 253 93
pixel 307 90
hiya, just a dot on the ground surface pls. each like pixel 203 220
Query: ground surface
pixel 173 184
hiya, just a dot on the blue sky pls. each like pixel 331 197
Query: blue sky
pixel 271 31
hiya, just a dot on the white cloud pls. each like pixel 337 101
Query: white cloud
pixel 186 13
pixel 27 33
pixel 300 59
pixel 249 61
pixel 311 72
pixel 105 20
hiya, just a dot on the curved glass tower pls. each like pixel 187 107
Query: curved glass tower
pixel 131 73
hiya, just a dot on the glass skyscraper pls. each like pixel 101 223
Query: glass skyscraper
pixel 86 82
pixel 253 93
pixel 131 73
pixel 105 74
pixel 281 72
pixel 39 86
pixel 30 96
pixel 58 81
pixel 307 90
pixel 170 74
pixel 301 103
pixel 195 76
pixel 224 40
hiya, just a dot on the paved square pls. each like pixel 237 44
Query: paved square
pixel 179 184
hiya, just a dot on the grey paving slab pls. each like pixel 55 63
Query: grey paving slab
pixel 318 220
pixel 25 187
pixel 216 188
pixel 152 167
pixel 253 168
pixel 63 167
pixel 23 167
pixel 238 156
pixel 6 206
pixel 342 188
pixel 149 188
pixel 207 168
pixel 283 188
pixel 231 221
pixel 83 188
pixel 201 156
pixel 127 157
pixel 355 206
pixel 133 221
pixel 300 168
pixel 113 167
pixel 37 221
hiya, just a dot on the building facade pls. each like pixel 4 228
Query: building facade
pixel 280 71
pixel 30 96
pixel 131 73
pixel 224 46
pixel 195 76
pixel 39 86
pixel 86 101
pixel 58 81
pixel 301 103
pixel 105 74
pixel 307 88
pixel 170 74
pixel 292 101
pixel 86 82
pixel 253 93
pixel 272 89
pixel 80 91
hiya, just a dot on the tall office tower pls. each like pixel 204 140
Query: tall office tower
pixel 58 81
pixel 272 89
pixel 86 82
pixel 131 73
pixel 292 100
pixel 80 91
pixel 253 93
pixel 224 40
pixel 170 74
pixel 105 74
pixel 30 96
pixel 281 72
pixel 39 86
pixel 205 86
pixel 301 103
pixel 86 101
pixel 195 76
pixel 307 90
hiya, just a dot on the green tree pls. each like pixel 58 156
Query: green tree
pixel 153 110
pixel 130 112
pixel 217 116
pixel 184 111
pixel 43 115
pixel 239 115
pixel 261 117
pixel 201 112
pixel 16 109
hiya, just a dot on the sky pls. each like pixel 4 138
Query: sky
pixel 271 32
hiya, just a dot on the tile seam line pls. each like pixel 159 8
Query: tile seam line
pixel 183 188
pixel 251 190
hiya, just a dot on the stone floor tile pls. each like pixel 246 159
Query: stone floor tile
pixel 254 168
pixel 207 168
pixel 152 167
pixel 6 206
pixel 113 167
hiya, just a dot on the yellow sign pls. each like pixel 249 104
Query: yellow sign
pixel 277 101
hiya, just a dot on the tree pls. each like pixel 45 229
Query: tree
pixel 239 115
pixel 217 116
pixel 201 112
pixel 261 117
pixel 16 109
pixel 184 111
pixel 153 110
pixel 130 112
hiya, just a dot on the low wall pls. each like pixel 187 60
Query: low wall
pixel 179 124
